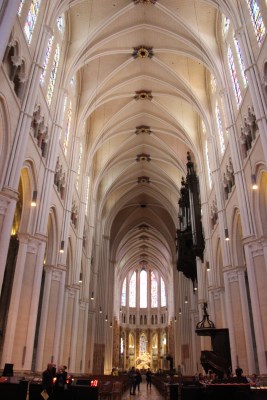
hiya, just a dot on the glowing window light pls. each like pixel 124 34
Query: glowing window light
pixel 220 129
pixel 233 73
pixel 53 76
pixel 47 56
pixel 31 19
pixel 256 19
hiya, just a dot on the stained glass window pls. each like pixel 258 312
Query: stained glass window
pixel 143 343
pixel 235 82
pixel 213 84
pixel 47 56
pixel 79 165
pixel 154 290
pixel 143 289
pixel 67 130
pixel 225 25
pixel 162 293
pixel 53 76
pixel 123 293
pixel 87 196
pixel 208 163
pixel 60 24
pixel 121 346
pixel 241 62
pixel 132 294
pixel 31 19
pixel 20 7
pixel 257 21
pixel 220 128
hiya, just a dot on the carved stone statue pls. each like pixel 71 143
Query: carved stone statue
pixel 226 188
pixel 252 122
pixel 243 144
pixel 247 131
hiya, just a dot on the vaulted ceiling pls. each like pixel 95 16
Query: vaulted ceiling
pixel 143 69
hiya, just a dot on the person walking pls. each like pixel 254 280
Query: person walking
pixel 148 378
pixel 133 380
pixel 48 380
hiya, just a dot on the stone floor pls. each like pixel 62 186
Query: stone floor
pixel 150 394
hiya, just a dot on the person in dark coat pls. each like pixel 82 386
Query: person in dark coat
pixel 60 383
pixel 148 378
pixel 138 379
pixel 48 380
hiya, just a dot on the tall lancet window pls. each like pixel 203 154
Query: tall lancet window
pixel 235 82
pixel 257 21
pixel 20 7
pixel 79 165
pixel 87 196
pixel 53 76
pixel 31 19
pixel 225 25
pixel 162 293
pixel 132 294
pixel 241 62
pixel 143 342
pixel 46 60
pixel 143 289
pixel 67 130
pixel 123 293
pixel 208 164
pixel 220 128
pixel 154 290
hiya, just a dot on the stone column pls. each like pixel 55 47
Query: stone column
pixel 7 356
pixel 8 201
pixel 43 320
pixel 60 276
pixel 74 330
pixel 252 250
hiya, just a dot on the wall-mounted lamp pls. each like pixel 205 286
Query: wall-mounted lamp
pixel 207 266
pixel 62 244
pixel 180 311
pixel 110 325
pixel 81 277
pixel 106 319
pixel 175 319
pixel 34 198
pixel 92 296
pixel 226 234
pixel 254 182
pixel 100 310
pixel 195 287
pixel 120 310
pixel 186 300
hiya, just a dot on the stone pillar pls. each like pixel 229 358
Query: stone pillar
pixel 43 321
pixel 252 250
pixel 74 330
pixel 7 208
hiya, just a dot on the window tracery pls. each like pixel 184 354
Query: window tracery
pixel 234 78
pixel 208 164
pixel 240 61
pixel 53 76
pixel 31 19
pixel 20 7
pixel 67 130
pixel 132 294
pixel 79 165
pixel 220 128
pixel 123 293
pixel 143 289
pixel 154 290
pixel 46 60
pixel 257 21
pixel 225 25
pixel 162 293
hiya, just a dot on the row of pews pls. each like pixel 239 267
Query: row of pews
pixel 185 388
